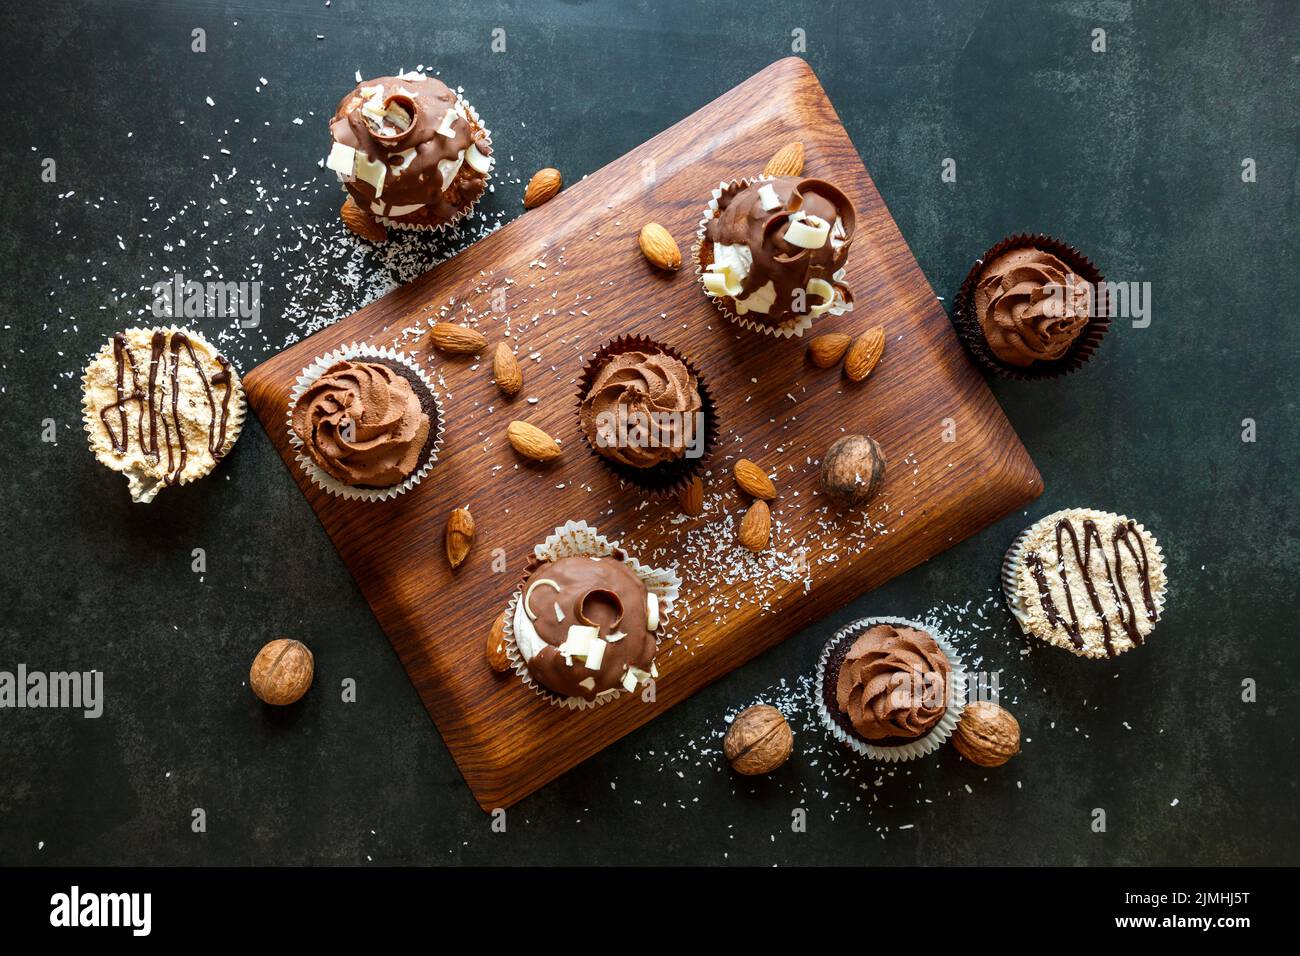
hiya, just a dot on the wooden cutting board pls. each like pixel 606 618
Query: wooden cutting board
pixel 572 277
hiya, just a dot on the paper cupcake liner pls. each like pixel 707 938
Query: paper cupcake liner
pixel 919 747
pixel 327 482
pixel 461 213
pixel 573 539
pixel 90 422
pixel 967 324
pixel 666 480
pixel 1012 564
pixel 792 328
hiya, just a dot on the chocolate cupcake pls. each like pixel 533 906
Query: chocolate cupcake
pixel 410 151
pixel 647 414
pixel 583 627
pixel 162 406
pixel 889 688
pixel 366 422
pixel 1032 307
pixel 1088 581
pixel 770 252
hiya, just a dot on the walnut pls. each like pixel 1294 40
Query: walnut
pixel 282 671
pixel 987 735
pixel 758 741
pixel 852 470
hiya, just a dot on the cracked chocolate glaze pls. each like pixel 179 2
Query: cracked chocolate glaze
pixel 743 221
pixel 598 591
pixel 423 165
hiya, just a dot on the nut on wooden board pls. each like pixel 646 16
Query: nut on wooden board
pixel 460 536
pixel 853 470
pixel 544 186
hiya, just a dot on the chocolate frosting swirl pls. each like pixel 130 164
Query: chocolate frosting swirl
pixel 412 155
pixel 1031 306
pixel 655 394
pixel 893 682
pixel 602 592
pixel 362 423
pixel 743 220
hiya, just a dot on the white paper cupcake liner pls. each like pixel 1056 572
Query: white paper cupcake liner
pixel 327 482
pixel 919 747
pixel 1013 560
pixel 574 539
pixel 91 424
pixel 461 214
pixel 794 328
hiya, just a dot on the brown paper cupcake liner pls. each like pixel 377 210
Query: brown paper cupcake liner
pixel 579 538
pixel 417 226
pixel 411 370
pixel 791 328
pixel 667 479
pixel 966 322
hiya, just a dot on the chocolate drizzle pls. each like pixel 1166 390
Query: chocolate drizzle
pixel 165 356
pixel 1125 538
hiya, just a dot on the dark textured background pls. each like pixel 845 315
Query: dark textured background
pixel 1133 155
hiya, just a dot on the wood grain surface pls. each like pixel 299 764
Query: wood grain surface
pixel 555 284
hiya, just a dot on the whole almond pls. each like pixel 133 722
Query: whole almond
pixel 756 526
pixel 864 353
pixel 544 185
pixel 505 369
pixel 692 497
pixel 531 442
pixel 826 350
pixel 753 480
pixel 460 536
pixel 456 339
pixel 788 161
pixel 658 245
pixel 361 222
pixel 496 646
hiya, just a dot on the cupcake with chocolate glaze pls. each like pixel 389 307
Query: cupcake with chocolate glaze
pixel 410 151
pixel 583 627
pixel 162 406
pixel 1088 581
pixel 771 252
pixel 889 688
pixel 646 413
pixel 366 422
pixel 1031 307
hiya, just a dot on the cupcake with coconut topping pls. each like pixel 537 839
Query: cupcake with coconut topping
pixel 410 151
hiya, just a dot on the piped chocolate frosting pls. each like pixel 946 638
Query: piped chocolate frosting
pixel 363 424
pixel 639 408
pixel 893 682
pixel 1031 306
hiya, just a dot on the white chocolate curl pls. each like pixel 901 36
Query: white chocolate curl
pixel 807 232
